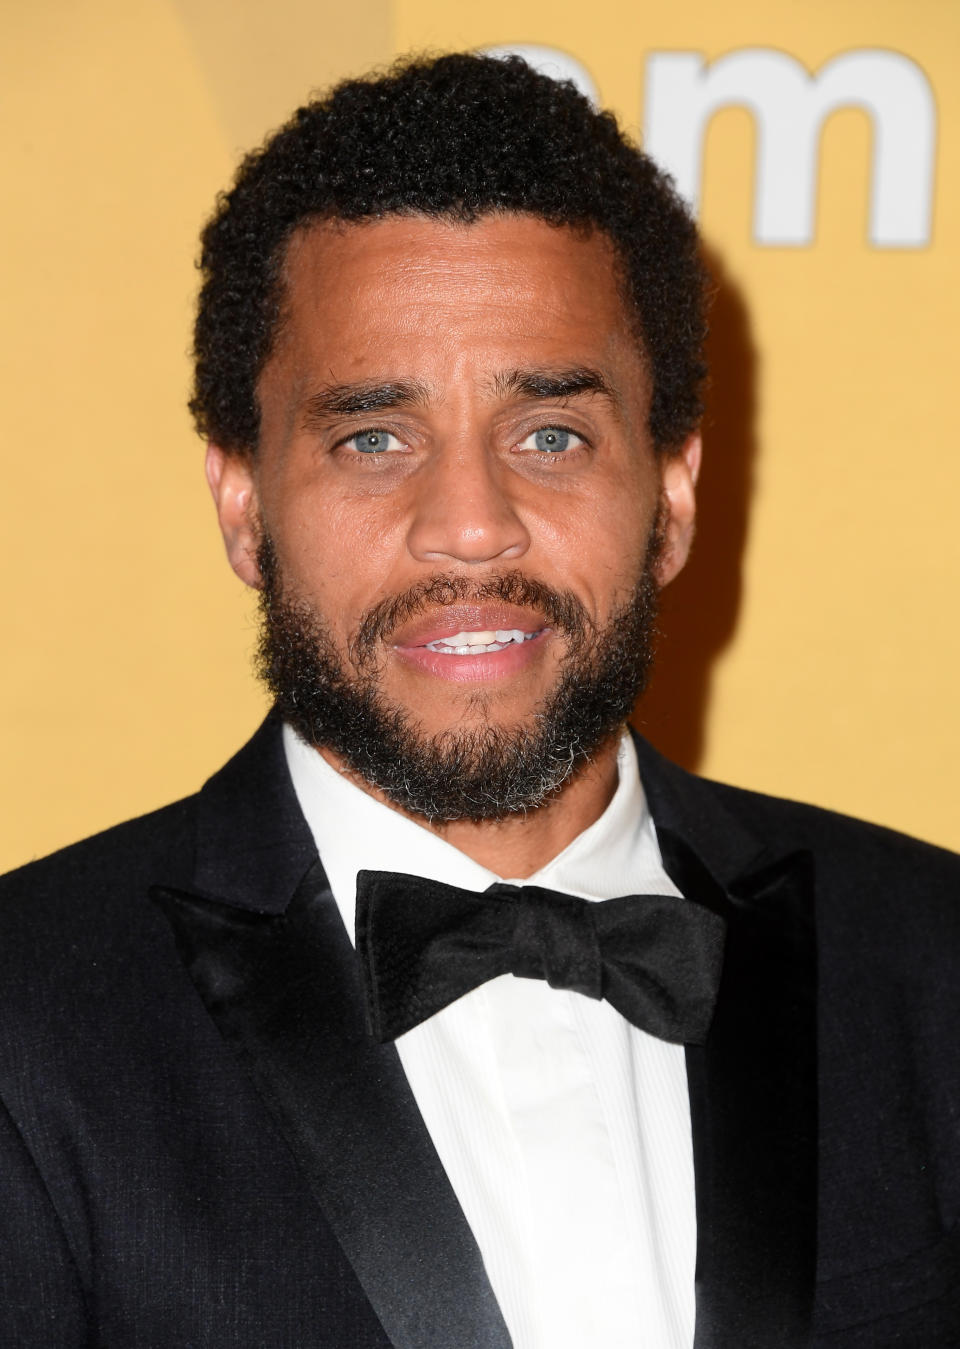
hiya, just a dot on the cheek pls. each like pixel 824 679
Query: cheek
pixel 338 555
pixel 597 543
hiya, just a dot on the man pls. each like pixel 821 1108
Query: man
pixel 449 367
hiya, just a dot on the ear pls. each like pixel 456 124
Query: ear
pixel 232 485
pixel 678 481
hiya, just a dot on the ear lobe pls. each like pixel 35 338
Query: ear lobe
pixel 678 480
pixel 232 486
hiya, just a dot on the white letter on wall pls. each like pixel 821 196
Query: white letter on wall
pixel 789 107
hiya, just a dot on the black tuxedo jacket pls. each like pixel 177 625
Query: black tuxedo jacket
pixel 201 1146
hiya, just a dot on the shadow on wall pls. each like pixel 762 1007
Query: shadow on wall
pixel 699 610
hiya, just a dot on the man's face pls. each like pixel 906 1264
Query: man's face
pixel 455 486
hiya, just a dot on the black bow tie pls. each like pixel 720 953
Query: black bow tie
pixel 422 945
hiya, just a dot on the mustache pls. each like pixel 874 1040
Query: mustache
pixel 561 608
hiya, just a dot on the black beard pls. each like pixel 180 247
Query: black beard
pixel 484 773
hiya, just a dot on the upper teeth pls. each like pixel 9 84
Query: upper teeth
pixel 464 643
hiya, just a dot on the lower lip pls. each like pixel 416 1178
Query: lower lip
pixel 488 665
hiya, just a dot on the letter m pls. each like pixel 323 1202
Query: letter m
pixel 789 107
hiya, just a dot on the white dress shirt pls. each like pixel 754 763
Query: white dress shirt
pixel 564 1130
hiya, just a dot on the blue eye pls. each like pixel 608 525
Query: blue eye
pixel 373 441
pixel 551 440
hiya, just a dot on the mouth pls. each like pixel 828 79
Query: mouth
pixel 472 642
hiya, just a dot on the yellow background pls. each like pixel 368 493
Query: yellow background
pixel 812 648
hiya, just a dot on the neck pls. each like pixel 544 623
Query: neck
pixel 519 845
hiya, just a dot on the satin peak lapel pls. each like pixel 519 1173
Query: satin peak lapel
pixel 753 1100
pixel 283 989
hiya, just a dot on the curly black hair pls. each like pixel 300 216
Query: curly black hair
pixel 456 136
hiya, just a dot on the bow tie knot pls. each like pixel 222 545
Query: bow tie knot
pixel 554 938
pixel 655 958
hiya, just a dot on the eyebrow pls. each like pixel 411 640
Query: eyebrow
pixel 365 396
pixel 566 383
pixel 350 400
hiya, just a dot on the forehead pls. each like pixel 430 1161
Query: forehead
pixel 386 296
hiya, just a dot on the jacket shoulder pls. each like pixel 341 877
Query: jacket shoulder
pixel 887 904
pixel 842 845
pixel 68 887
pixel 823 831
pixel 868 877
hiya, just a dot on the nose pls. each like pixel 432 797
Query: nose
pixel 464 511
